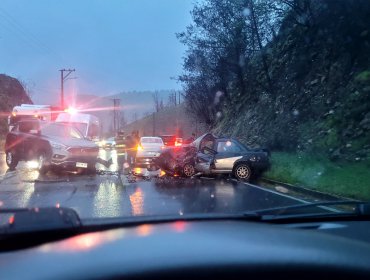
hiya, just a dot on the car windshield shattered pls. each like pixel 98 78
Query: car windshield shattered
pixel 131 110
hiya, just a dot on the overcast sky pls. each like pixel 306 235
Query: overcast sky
pixel 114 45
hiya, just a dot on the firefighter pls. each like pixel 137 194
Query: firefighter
pixel 120 140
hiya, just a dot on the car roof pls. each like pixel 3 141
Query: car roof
pixel 151 137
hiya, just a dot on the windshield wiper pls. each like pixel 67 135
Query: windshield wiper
pixel 321 209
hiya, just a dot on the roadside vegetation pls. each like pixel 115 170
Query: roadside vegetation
pixel 289 75
pixel 348 179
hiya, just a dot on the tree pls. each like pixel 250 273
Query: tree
pixel 134 117
pixel 157 101
pixel 223 40
pixel 123 121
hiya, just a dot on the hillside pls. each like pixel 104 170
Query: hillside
pixel 136 104
pixel 12 94
pixel 171 120
pixel 320 74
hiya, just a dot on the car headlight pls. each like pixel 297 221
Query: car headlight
pixel 58 146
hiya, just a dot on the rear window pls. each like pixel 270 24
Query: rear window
pixel 151 140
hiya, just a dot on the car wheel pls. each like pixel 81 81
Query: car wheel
pixel 242 172
pixel 91 170
pixel 188 170
pixel 42 162
pixel 11 160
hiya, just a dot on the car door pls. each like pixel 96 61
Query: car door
pixel 14 141
pixel 30 134
pixel 228 152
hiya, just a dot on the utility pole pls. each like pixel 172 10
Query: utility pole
pixel 153 124
pixel 63 78
pixel 116 105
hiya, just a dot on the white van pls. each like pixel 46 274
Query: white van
pixel 27 111
pixel 88 125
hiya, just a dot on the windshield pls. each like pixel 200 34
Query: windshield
pixel 60 130
pixel 81 127
pixel 240 105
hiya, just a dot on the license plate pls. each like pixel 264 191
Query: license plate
pixel 81 164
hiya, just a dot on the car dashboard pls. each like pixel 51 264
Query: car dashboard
pixel 222 249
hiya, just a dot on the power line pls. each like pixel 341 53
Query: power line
pixel 28 36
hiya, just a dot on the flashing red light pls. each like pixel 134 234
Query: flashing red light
pixel 71 110
pixel 11 220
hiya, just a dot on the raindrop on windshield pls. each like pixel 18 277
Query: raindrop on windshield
pixel 217 97
pixel 246 12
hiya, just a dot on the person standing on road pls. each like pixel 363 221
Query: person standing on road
pixel 191 139
pixel 121 149
pixel 131 146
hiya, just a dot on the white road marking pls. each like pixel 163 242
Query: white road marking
pixel 290 197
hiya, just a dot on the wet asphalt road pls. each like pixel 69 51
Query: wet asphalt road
pixel 112 195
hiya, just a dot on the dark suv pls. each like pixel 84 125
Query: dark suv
pixel 51 144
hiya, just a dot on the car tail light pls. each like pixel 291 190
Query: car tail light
pixel 163 147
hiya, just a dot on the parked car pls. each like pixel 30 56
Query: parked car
pixel 53 145
pixel 148 149
pixel 169 140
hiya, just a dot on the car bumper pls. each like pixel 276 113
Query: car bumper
pixel 73 163
pixel 145 162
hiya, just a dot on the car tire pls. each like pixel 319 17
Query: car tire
pixel 188 170
pixel 91 170
pixel 242 172
pixel 11 159
pixel 42 161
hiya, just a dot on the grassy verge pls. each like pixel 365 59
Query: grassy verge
pixel 350 179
